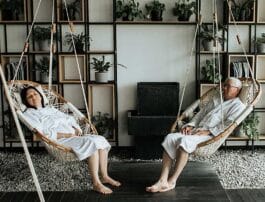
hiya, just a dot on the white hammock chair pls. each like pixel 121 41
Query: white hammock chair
pixel 60 152
pixel 249 94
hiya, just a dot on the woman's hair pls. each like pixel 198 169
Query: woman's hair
pixel 23 95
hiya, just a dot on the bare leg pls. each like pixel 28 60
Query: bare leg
pixel 103 165
pixel 163 179
pixel 181 161
pixel 93 164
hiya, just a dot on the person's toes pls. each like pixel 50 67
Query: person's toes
pixel 155 188
pixel 111 181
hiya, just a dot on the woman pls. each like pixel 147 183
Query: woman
pixel 63 129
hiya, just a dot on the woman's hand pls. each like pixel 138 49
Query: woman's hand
pixel 186 130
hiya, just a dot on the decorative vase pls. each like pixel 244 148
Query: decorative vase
pixel 102 77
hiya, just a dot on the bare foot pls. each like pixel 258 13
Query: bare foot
pixel 111 181
pixel 169 187
pixel 157 187
pixel 102 189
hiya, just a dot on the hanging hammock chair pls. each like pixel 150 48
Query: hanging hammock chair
pixel 249 95
pixel 51 98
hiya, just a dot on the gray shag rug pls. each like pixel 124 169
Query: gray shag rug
pixel 236 169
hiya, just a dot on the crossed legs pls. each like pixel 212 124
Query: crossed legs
pixel 166 183
pixel 99 162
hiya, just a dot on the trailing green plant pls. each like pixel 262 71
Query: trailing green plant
pixel 73 8
pixel 184 9
pixel 242 10
pixel 210 71
pixel 128 10
pixel 103 123
pixel 261 39
pixel 11 9
pixel 155 10
pixel 41 33
pixel 249 126
pixel 80 40
pixel 100 65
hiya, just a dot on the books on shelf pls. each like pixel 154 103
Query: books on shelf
pixel 10 70
pixel 240 69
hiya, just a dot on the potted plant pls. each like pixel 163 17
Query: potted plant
pixel 12 9
pixel 242 11
pixel 155 10
pixel 128 11
pixel 104 124
pixel 210 72
pixel 101 68
pixel 80 40
pixel 42 67
pixel 184 9
pixel 211 38
pixel 260 42
pixel 41 35
pixel 249 127
pixel 73 9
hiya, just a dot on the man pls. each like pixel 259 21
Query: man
pixel 206 124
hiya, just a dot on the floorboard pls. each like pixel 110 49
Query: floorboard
pixel 198 182
pixel 246 195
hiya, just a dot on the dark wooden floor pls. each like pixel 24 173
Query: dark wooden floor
pixel 197 183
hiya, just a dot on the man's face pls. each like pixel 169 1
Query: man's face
pixel 230 91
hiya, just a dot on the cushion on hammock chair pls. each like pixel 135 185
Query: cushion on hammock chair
pixel 247 93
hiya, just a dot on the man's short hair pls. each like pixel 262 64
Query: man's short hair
pixel 234 82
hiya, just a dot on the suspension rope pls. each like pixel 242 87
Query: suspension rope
pixel 52 49
pixel 189 66
pixel 215 21
pixel 21 136
pixel 26 45
pixel 76 58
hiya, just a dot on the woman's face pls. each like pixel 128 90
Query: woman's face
pixel 33 98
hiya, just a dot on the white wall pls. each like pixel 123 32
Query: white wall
pixel 152 53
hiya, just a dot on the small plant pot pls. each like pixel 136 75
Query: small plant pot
pixel 42 45
pixel 261 48
pixel 156 15
pixel 209 45
pixel 7 14
pixel 102 77
pixel 44 77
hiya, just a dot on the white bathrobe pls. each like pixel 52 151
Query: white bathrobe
pixel 208 118
pixel 51 121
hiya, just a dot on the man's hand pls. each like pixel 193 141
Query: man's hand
pixel 202 132
pixel 186 130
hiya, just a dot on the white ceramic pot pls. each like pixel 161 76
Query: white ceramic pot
pixel 209 45
pixel 102 77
